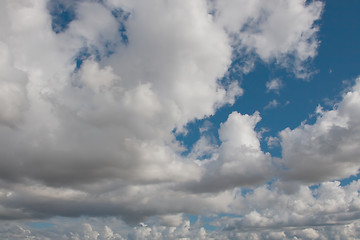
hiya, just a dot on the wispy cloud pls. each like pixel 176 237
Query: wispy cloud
pixel 274 85
pixel 272 104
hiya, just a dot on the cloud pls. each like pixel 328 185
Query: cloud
pixel 13 95
pixel 274 85
pixel 328 148
pixel 276 29
pixel 269 212
pixel 272 104
pixel 103 126
pixel 238 161
pixel 88 121
pixel 272 142
pixel 114 229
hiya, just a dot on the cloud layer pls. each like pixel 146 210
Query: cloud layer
pixel 91 105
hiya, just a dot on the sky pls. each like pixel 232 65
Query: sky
pixel 181 119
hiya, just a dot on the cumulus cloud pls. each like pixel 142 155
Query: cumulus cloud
pixel 273 206
pixel 117 230
pixel 238 161
pixel 90 110
pixel 327 149
pixel 273 29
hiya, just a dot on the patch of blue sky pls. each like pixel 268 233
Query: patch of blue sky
pixel 209 227
pixel 41 225
pixel 254 99
pixel 208 223
pixel 245 191
pixel 201 221
pixel 192 134
pixel 192 218
pixel 82 55
pixel 313 188
pixel 340 36
pixel 94 53
pixel 62 14
pixel 121 16
pixel 347 181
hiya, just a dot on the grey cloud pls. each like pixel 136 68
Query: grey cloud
pixel 13 94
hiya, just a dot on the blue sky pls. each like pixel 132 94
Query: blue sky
pixel 179 119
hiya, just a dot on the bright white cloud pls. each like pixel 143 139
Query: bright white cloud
pixel 240 150
pixel 238 161
pixel 273 29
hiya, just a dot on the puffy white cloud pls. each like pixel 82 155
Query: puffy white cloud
pixel 238 161
pixel 177 56
pixel 273 29
pixel 110 235
pixel 272 207
pixel 240 149
pixel 327 149
pixel 89 233
pixel 94 25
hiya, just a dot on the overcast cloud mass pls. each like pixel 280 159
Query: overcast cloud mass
pixel 98 101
